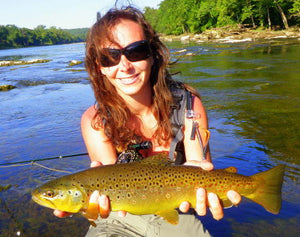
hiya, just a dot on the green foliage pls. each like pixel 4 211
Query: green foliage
pixel 194 16
pixel 12 36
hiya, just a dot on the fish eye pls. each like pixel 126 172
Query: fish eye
pixel 49 194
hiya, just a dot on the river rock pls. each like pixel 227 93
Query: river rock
pixel 185 38
pixel 6 87
pixel 74 62
pixel 22 62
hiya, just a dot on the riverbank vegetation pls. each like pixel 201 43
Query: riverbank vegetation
pixel 195 16
pixel 13 37
pixel 175 17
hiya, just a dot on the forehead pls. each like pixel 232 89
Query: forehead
pixel 124 33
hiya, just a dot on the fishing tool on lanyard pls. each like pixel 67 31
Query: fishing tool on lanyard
pixel 132 153
pixel 191 114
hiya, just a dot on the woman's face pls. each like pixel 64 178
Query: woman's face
pixel 129 78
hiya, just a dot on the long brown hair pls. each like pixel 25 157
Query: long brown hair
pixel 112 112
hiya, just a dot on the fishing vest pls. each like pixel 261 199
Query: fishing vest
pixel 180 97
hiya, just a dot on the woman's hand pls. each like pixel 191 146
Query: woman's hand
pixel 99 202
pixel 209 199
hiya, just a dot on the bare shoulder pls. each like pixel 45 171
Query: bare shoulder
pixel 88 115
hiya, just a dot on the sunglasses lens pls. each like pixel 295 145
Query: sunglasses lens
pixel 110 57
pixel 137 51
pixel 134 52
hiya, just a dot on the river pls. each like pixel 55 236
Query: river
pixel 251 93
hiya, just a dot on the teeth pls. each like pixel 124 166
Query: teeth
pixel 128 80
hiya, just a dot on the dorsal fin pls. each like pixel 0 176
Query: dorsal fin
pixel 231 169
pixel 158 159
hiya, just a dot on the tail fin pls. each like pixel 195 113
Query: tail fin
pixel 268 193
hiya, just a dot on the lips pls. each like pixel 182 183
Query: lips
pixel 129 80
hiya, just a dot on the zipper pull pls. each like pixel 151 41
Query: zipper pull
pixel 194 130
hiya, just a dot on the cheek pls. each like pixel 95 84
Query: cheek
pixel 109 72
pixel 145 65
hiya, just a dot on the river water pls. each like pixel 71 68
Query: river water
pixel 251 91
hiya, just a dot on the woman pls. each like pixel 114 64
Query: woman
pixel 127 64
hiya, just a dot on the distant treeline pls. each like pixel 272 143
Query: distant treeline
pixel 11 36
pixel 195 16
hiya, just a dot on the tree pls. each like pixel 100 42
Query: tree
pixel 281 11
pixel 4 33
pixel 12 36
pixel 183 16
pixel 248 13
pixel 295 10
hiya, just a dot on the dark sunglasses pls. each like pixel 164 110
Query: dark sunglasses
pixel 134 52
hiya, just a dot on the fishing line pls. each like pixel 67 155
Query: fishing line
pixel 29 162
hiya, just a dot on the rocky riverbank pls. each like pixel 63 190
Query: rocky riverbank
pixel 22 62
pixel 234 35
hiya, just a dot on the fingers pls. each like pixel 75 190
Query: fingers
pixel 93 209
pixel 201 202
pixel 184 207
pixel 95 164
pixel 215 206
pixel 234 197
pixel 62 214
pixel 104 205
pixel 204 164
pixel 122 213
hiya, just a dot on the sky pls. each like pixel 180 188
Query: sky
pixel 65 14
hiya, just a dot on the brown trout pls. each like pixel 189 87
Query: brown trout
pixel 156 186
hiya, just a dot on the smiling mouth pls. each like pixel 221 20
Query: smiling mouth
pixel 129 80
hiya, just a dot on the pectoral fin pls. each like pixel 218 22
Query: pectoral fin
pixel 170 216
pixel 227 203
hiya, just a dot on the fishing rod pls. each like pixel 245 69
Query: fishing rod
pixel 42 159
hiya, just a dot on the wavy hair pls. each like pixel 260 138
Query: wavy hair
pixel 112 113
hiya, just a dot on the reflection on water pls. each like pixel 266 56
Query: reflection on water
pixel 250 90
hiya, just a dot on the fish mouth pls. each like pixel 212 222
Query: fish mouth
pixel 42 201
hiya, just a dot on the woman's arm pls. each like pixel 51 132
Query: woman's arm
pixel 193 148
pixel 97 143
pixel 194 156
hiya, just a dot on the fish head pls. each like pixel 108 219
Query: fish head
pixel 62 195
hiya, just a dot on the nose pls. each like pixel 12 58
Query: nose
pixel 125 65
